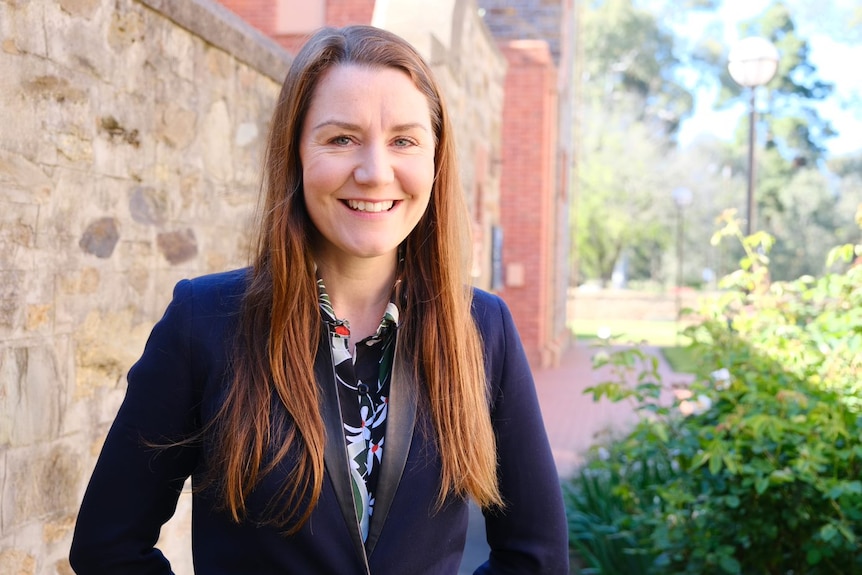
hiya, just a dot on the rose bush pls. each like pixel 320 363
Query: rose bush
pixel 759 471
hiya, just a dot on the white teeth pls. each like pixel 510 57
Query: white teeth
pixel 360 206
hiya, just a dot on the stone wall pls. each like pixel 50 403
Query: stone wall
pixel 130 141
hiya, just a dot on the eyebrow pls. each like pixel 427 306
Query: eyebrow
pixel 356 128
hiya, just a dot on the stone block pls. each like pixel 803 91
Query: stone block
pixel 30 401
pixel 178 246
pixel 29 527
pixel 41 482
pixel 101 237
pixel 17 562
pixel 22 181
pixel 180 51
pixel 83 282
pixel 218 158
pixel 105 345
pixel 81 8
pixel 39 318
pixel 148 205
pixel 74 148
pixel 126 29
pixel 177 126
pixel 218 64
pixel 121 148
pixel 17 22
pixel 53 88
pixel 17 235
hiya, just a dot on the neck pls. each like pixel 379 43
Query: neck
pixel 359 292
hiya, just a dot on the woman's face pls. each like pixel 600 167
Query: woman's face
pixel 367 152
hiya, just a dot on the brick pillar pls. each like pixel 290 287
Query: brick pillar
pixel 527 192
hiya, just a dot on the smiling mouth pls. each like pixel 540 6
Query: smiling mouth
pixel 372 207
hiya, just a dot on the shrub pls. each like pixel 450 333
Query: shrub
pixel 758 471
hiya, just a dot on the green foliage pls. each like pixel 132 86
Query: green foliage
pixel 757 469
pixel 629 56
pixel 617 208
pixel 631 105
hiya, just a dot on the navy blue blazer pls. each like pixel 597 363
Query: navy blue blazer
pixel 176 385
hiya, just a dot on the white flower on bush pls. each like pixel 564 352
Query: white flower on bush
pixel 604 454
pixel 601 356
pixel 604 332
pixel 700 404
pixel 721 377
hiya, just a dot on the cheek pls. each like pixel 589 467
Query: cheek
pixel 324 175
pixel 418 179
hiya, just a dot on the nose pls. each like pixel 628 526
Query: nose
pixel 375 165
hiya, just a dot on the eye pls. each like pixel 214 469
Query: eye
pixel 341 140
pixel 403 142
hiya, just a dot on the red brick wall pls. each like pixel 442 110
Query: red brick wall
pixel 258 13
pixel 262 15
pixel 345 12
pixel 527 190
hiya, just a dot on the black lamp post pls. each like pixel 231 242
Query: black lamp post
pixel 752 62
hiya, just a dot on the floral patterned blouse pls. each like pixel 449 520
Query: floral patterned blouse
pixel 363 393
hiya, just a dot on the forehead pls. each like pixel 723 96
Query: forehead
pixel 363 90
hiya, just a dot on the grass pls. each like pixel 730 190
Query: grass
pixel 649 332
pixel 664 335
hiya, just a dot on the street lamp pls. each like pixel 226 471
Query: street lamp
pixel 752 62
pixel 682 198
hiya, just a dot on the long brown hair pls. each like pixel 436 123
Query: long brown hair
pixel 280 322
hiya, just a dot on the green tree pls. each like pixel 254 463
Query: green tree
pixel 617 211
pixel 632 103
pixel 630 64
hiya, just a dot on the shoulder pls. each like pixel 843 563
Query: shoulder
pixel 218 290
pixel 223 283
pixel 506 363
pixel 496 326
pixel 490 312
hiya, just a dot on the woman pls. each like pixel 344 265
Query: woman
pixel 321 438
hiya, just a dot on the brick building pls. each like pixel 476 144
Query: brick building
pixel 516 167
pixel 537 38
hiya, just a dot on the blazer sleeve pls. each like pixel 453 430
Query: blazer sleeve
pixel 134 488
pixel 530 535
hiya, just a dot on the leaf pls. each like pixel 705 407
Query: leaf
pixel 843 253
pixel 715 465
pixel 761 485
pixel 702 458
pixel 854 487
pixel 729 565
pixel 660 431
pixel 828 532
pixel 847 533
pixel 813 556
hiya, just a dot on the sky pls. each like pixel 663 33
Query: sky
pixel 836 62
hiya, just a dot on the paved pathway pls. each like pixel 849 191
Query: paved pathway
pixel 573 422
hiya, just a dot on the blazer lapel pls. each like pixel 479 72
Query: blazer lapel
pixel 335 453
pixel 400 422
